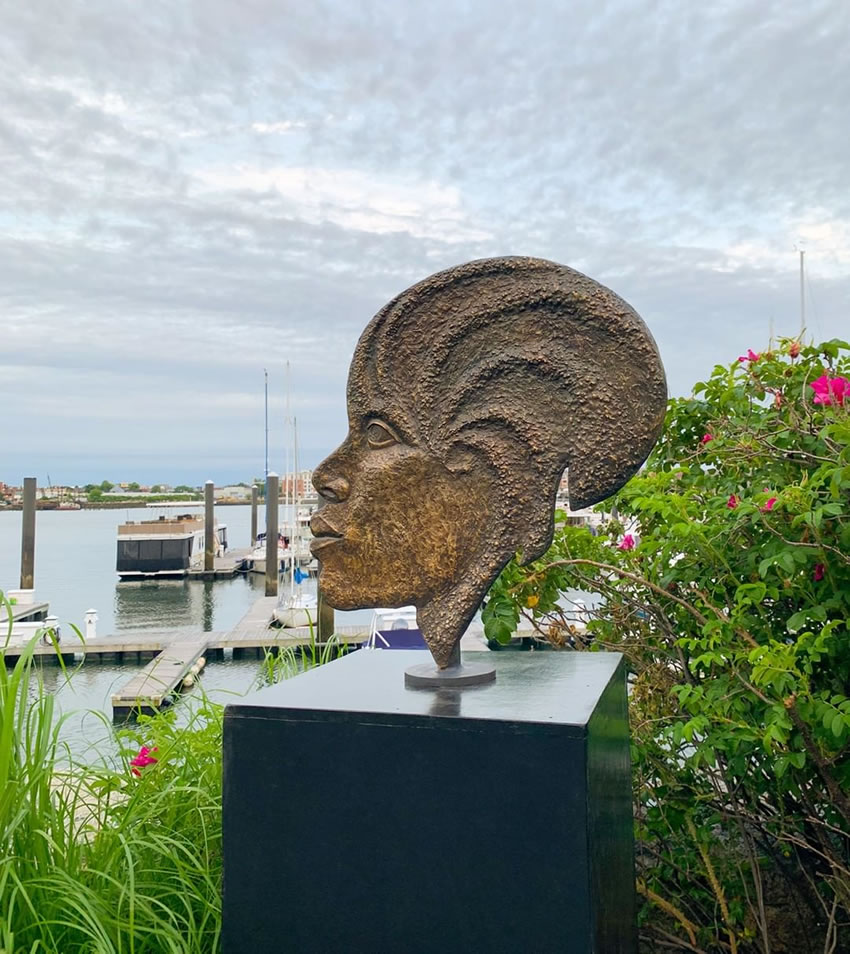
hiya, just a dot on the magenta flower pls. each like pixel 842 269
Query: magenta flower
pixel 830 390
pixel 768 505
pixel 706 438
pixel 627 543
pixel 142 759
pixel 732 502
pixel 749 356
pixel 819 572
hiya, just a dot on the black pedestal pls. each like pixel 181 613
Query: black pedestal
pixel 360 816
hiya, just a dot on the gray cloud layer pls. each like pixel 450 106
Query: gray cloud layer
pixel 192 192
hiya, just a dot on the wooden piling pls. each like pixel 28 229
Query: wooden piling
pixel 28 535
pixel 272 559
pixel 255 493
pixel 324 617
pixel 209 526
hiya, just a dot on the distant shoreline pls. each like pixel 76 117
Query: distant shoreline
pixel 121 504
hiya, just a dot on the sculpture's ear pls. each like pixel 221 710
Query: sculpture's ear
pixel 462 459
pixel 612 448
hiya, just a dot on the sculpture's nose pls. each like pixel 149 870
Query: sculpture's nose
pixel 331 485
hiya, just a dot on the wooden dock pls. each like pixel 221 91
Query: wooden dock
pixel 224 567
pixel 24 612
pixel 155 685
pixel 171 655
pixel 148 690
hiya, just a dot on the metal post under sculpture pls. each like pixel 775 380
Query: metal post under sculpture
pixel 469 394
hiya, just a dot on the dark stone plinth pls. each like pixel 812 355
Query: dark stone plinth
pixel 361 816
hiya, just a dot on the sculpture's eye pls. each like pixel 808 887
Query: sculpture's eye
pixel 379 434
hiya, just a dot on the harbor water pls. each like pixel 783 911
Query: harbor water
pixel 75 553
pixel 75 556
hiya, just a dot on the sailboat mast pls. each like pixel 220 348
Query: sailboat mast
pixel 266 389
pixel 802 294
pixel 296 527
pixel 287 491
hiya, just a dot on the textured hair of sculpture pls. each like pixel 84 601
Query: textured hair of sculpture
pixel 525 367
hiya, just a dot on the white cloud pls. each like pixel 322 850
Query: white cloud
pixel 194 191
pixel 354 199
pixel 285 126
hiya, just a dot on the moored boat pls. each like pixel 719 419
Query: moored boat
pixel 168 546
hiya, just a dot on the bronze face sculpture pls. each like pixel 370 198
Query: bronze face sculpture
pixel 469 394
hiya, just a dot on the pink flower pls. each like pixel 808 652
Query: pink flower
pixel 819 571
pixel 794 349
pixel 142 759
pixel 732 502
pixel 769 505
pixel 627 543
pixel 706 438
pixel 749 356
pixel 828 390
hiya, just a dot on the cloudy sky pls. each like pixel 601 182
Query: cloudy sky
pixel 192 192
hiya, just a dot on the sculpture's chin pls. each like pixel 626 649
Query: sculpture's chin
pixel 345 592
pixel 340 597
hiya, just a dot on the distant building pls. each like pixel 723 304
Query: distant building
pixel 302 481
pixel 232 492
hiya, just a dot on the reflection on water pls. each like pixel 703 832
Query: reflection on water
pixel 144 604
pixel 181 604
pixel 208 606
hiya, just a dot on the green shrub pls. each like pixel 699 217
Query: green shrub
pixel 732 608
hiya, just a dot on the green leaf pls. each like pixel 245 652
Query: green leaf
pixel 797 621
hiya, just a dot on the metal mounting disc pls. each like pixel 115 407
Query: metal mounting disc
pixel 428 676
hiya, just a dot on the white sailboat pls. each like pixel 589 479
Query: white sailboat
pixel 297 606
pixel 258 554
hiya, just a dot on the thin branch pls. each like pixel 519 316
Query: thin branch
pixel 839 799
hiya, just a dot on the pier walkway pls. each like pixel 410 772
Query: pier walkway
pixel 149 689
pixel 24 612
pixel 253 635
pixel 172 654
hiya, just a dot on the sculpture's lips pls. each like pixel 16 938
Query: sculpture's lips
pixel 318 543
pixel 323 533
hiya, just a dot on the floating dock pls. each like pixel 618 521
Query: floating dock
pixel 155 685
pixel 148 690
pixel 172 655
pixel 24 612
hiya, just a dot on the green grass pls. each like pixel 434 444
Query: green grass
pixel 97 860
pixel 94 859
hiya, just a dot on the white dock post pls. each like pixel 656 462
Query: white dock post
pixel 91 624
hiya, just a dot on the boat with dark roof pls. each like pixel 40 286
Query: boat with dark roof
pixel 167 546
